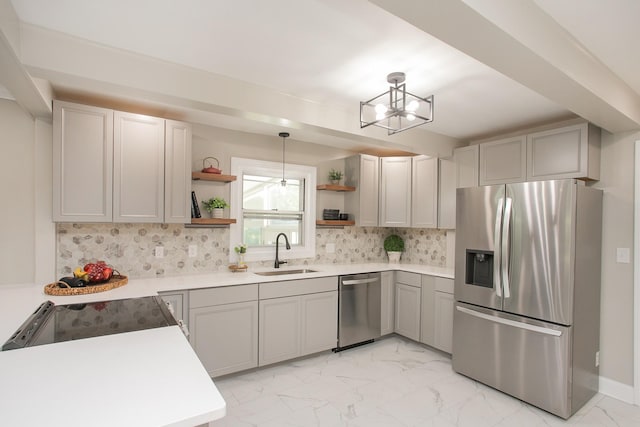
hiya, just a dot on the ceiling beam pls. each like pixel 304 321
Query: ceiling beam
pixel 74 64
pixel 520 41
pixel 13 76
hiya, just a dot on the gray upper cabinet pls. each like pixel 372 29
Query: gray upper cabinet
pixel 362 172
pixel 466 159
pixel 111 166
pixel 177 173
pixel 395 192
pixel 424 192
pixel 567 152
pixel 82 163
pixel 446 193
pixel 503 161
pixel 138 168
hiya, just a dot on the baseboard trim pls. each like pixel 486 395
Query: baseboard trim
pixel 617 390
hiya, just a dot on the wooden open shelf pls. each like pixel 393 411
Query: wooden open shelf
pixel 213 221
pixel 332 187
pixel 332 222
pixel 196 176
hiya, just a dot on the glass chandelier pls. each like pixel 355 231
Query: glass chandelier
pixel 396 109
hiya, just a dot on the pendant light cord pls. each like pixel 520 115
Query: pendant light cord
pixel 284 135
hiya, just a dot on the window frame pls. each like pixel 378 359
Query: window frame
pixel 240 167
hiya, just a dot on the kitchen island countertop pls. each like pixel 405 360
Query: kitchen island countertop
pixel 143 378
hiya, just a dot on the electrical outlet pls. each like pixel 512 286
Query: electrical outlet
pixel 623 255
pixel 159 252
pixel 597 359
pixel 193 251
pixel 331 248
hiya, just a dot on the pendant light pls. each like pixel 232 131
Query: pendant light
pixel 283 135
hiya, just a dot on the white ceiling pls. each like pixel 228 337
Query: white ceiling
pixel 336 53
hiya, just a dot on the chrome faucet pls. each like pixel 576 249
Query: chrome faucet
pixel 277 263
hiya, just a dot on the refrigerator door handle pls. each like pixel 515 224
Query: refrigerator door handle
pixel 505 247
pixel 508 322
pixel 498 247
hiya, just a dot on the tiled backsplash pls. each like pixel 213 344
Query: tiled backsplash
pixel 131 247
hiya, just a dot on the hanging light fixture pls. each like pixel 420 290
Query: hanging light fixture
pixel 396 109
pixel 283 135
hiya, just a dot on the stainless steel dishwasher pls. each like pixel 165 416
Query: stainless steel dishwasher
pixel 359 310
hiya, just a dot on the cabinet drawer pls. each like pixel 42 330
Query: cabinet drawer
pixel 224 295
pixel 298 287
pixel 443 284
pixel 412 279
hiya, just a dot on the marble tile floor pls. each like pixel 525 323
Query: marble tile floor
pixel 392 382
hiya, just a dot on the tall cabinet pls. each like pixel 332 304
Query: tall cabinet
pixel 395 192
pixel 362 172
pixel 82 163
pixel 121 167
pixel 138 168
pixel 424 192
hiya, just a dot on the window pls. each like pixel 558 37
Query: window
pixel 264 208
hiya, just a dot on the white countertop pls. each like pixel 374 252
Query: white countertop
pixel 150 377
pixel 142 378
pixel 17 302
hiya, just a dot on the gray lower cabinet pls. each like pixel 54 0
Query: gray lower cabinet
pixel 427 320
pixel 387 299
pixel 407 305
pixel 297 317
pixel 179 304
pixel 443 315
pixel 224 328
pixel 437 312
pixel 319 327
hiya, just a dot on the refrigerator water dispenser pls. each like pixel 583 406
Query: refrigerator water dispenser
pixel 479 268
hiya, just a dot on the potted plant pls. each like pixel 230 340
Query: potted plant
pixel 215 206
pixel 394 245
pixel 335 176
pixel 241 249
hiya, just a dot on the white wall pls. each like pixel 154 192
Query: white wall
pixel 616 330
pixel 17 194
pixel 224 144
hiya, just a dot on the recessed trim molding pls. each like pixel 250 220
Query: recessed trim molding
pixel 636 278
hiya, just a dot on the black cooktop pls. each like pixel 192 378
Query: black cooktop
pixel 52 323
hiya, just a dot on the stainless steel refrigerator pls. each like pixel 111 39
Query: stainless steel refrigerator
pixel 527 290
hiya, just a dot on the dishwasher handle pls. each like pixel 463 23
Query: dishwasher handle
pixel 359 281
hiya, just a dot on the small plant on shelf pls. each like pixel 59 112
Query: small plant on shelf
pixel 335 176
pixel 215 206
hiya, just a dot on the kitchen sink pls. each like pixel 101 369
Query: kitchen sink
pixel 283 272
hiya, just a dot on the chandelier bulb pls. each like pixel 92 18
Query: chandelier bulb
pixel 381 108
pixel 413 106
